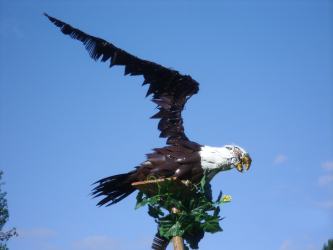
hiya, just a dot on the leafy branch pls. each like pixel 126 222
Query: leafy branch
pixel 194 220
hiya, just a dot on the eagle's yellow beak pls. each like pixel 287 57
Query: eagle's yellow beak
pixel 244 160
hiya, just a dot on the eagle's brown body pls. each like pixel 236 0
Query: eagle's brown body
pixel 181 161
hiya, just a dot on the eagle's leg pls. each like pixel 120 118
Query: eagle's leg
pixel 189 184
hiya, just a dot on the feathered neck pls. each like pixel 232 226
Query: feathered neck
pixel 217 159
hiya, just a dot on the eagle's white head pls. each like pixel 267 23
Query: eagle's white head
pixel 225 158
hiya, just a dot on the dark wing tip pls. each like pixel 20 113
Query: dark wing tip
pixel 170 89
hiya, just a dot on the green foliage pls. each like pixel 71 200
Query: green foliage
pixel 4 215
pixel 329 245
pixel 193 221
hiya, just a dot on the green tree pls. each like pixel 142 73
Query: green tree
pixel 4 215
pixel 329 245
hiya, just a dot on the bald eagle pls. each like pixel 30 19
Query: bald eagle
pixel 181 158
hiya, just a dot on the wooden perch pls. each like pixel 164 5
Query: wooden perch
pixel 150 188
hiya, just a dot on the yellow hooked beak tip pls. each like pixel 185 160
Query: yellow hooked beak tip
pixel 244 160
pixel 247 160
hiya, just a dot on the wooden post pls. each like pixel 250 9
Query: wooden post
pixel 178 242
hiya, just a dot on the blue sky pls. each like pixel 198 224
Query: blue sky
pixel 265 74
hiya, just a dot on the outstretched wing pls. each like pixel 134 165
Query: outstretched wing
pixel 170 89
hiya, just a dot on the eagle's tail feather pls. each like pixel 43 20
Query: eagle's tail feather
pixel 115 188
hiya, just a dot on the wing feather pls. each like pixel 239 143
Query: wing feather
pixel 170 89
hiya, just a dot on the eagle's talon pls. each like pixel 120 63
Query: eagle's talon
pixel 188 183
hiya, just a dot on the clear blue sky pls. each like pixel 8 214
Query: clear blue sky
pixel 265 74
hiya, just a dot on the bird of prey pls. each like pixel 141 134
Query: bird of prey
pixel 181 158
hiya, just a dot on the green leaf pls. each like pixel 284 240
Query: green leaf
pixel 139 196
pixel 193 203
pixel 154 211
pixel 139 201
pixel 176 202
pixel 170 226
pixel 192 226
pixel 164 188
pixel 186 220
pixel 206 188
pixel 203 181
pixel 159 210
pixel 166 185
pixel 168 194
pixel 208 191
pixel 167 203
pixel 219 197
pixel 194 238
pixel 199 210
pixel 155 199
pixel 142 203
pixel 199 217
pixel 175 230
pixel 216 212
pixel 221 218
pixel 198 201
pixel 211 224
